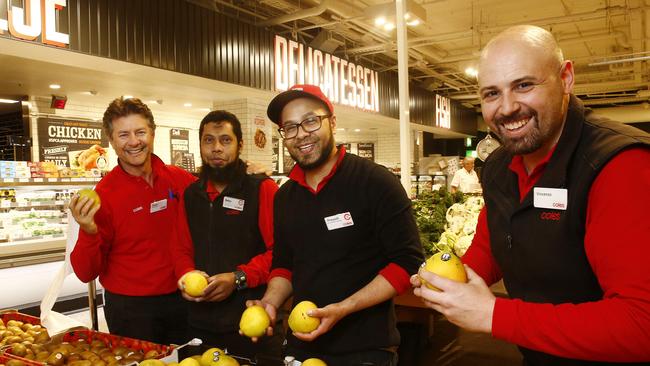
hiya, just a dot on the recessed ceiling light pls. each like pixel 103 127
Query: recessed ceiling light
pixel 470 71
pixel 55 86
pixel 413 23
pixel 340 129
pixel 380 21
pixel 187 105
pixel 357 130
pixel 389 26
pixel 127 96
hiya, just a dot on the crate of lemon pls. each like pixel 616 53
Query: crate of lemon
pixel 445 264
pixel 211 357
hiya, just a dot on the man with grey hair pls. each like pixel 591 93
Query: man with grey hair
pixel 572 258
pixel 465 179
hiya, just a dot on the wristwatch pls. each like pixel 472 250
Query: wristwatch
pixel 240 280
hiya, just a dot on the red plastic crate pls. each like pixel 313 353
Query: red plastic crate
pixel 6 357
pixel 15 315
pixel 113 341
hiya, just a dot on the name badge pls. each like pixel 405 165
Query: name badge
pixel 158 205
pixel 552 198
pixel 233 203
pixel 338 221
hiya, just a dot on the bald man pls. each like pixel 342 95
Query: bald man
pixel 565 222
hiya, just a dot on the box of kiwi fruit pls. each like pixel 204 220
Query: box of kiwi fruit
pixel 31 344
pixel 6 360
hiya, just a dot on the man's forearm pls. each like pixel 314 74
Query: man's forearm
pixel 375 292
pixel 277 291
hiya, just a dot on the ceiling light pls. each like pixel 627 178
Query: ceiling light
pixel 380 21
pixel 127 96
pixel 413 23
pixel 389 26
pixel 407 16
pixel 55 86
pixel 187 105
pixel 8 101
pixel 470 71
pixel 357 130
pixel 340 129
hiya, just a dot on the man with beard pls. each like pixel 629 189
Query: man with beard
pixel 227 236
pixel 345 239
pixel 565 222
pixel 125 240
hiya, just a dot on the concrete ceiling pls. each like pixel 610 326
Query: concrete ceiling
pixel 598 35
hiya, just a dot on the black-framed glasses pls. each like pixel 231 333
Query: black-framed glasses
pixel 309 124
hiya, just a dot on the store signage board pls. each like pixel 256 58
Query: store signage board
pixel 37 18
pixel 343 82
pixel 72 144
pixel 179 140
pixel 443 112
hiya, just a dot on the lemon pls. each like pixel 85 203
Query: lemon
pixel 91 194
pixel 227 361
pixel 195 283
pixel 313 362
pixel 445 264
pixel 299 321
pixel 190 361
pixel 254 321
pixel 211 356
pixel 152 362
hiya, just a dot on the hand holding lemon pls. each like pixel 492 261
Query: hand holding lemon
pixel 445 264
pixel 193 283
pixel 83 206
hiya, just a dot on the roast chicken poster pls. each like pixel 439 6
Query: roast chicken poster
pixel 72 144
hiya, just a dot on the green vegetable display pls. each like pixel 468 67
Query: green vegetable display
pixel 430 211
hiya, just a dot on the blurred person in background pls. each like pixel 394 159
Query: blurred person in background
pixel 465 180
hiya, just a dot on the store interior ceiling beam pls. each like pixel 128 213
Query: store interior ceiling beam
pixel 301 14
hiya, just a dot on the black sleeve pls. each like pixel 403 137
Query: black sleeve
pixel 394 222
pixel 282 252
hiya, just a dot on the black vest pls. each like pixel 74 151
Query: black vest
pixel 544 261
pixel 223 239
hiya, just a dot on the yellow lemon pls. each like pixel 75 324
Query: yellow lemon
pixel 254 321
pixel 91 194
pixel 152 362
pixel 209 357
pixel 195 283
pixel 227 361
pixel 313 362
pixel 299 321
pixel 190 361
pixel 445 264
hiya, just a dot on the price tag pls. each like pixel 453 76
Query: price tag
pixel 59 202
pixel 23 180
pixel 36 203
pixel 38 180
pixel 65 179
pixel 5 204
pixel 22 204
pixel 77 179
pixel 53 179
pixel 8 180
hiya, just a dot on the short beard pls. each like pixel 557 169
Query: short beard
pixel 325 154
pixel 224 174
pixel 525 145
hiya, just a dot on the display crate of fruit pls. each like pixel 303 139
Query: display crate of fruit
pixel 7 315
pixel 8 360
pixel 85 347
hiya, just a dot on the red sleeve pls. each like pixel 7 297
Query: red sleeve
pixel 257 269
pixel 88 257
pixel 182 248
pixel 479 255
pixel 617 243
pixel 397 276
pixel 281 272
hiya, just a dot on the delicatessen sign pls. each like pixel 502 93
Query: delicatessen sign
pixel 72 144
pixel 343 82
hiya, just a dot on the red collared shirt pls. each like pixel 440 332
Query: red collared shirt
pixel 131 251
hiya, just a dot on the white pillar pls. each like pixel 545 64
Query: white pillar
pixel 403 77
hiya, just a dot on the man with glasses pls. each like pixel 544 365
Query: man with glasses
pixel 345 239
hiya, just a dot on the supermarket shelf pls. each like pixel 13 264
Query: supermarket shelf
pixel 37 250
pixel 11 182
pixel 6 204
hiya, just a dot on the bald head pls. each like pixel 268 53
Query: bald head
pixel 527 38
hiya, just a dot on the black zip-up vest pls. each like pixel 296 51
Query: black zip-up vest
pixel 223 239
pixel 544 261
